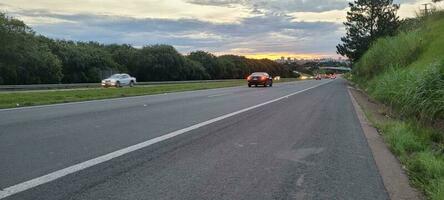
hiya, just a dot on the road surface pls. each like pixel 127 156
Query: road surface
pixel 298 140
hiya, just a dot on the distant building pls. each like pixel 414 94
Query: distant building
pixel 287 60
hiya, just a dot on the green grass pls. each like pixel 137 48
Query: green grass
pixel 403 138
pixel 406 72
pixel 427 170
pixel 390 52
pixel 417 93
pixel 419 149
pixel 32 98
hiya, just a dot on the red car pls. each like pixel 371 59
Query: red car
pixel 318 77
pixel 260 78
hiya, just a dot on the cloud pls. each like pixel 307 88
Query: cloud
pixel 264 33
pixel 217 2
pixel 411 8
pixel 280 6
pixel 246 27
pixel 161 9
pixel 336 16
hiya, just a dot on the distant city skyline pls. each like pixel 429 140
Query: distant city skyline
pixel 251 28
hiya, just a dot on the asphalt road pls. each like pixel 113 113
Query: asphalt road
pixel 307 146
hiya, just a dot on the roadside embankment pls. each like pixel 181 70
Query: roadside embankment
pixel 392 172
pixel 406 74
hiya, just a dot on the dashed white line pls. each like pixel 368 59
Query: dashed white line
pixel 219 95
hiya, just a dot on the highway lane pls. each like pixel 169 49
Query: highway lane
pixel 307 146
pixel 38 140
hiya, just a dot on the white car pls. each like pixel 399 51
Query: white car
pixel 119 80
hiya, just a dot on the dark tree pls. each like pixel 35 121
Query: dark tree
pixel 28 58
pixel 208 61
pixel 24 58
pixel 367 21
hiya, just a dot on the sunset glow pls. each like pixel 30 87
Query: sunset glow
pixel 252 28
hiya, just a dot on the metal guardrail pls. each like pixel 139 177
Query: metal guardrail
pixel 91 85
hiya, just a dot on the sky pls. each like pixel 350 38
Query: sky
pixel 252 28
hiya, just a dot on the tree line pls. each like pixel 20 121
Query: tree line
pixel 29 58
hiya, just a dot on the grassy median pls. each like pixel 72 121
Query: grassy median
pixel 32 98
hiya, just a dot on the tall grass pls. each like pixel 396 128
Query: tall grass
pixel 390 52
pixel 412 92
pixel 406 72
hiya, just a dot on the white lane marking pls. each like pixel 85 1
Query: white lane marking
pixel 101 159
pixel 300 180
pixel 219 95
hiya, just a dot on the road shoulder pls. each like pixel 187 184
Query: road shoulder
pixel 394 177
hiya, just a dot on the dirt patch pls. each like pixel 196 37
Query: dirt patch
pixel 379 112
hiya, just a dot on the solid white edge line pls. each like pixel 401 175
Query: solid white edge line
pixel 101 159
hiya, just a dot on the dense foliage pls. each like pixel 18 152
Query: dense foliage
pixel 27 58
pixel 313 67
pixel 23 58
pixel 367 21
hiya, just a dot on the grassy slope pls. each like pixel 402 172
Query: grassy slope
pixel 413 71
pixel 19 99
pixel 407 73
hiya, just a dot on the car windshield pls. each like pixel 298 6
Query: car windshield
pixel 115 76
pixel 258 74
